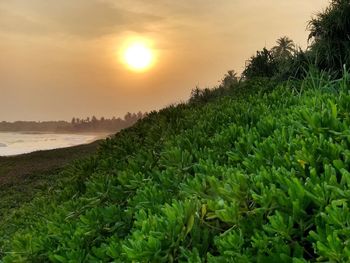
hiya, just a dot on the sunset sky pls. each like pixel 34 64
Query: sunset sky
pixel 60 59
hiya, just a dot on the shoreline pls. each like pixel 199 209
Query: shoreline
pixel 65 132
pixel 101 136
pixel 95 137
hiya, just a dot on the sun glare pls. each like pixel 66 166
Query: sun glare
pixel 138 57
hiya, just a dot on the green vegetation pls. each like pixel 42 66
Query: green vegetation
pixel 255 170
pixel 22 176
pixel 262 178
pixel 330 35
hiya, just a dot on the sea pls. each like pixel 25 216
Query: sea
pixel 14 143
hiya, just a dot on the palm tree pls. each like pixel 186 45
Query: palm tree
pixel 285 48
pixel 230 78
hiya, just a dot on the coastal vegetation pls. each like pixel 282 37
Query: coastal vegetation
pixel 254 170
pixel 23 176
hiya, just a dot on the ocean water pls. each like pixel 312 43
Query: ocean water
pixel 19 143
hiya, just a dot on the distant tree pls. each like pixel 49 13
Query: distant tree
pixel 230 79
pixel 77 125
pixel 128 117
pixel 290 60
pixel 284 49
pixel 263 64
pixel 139 115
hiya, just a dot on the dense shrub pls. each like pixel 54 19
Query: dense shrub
pixel 329 33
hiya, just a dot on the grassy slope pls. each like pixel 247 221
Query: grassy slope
pixel 263 178
pixel 23 176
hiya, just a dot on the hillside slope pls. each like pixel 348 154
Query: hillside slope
pixel 264 178
pixel 23 176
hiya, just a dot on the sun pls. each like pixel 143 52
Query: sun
pixel 138 56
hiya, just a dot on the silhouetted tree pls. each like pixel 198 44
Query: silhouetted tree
pixel 230 79
pixel 139 115
pixel 75 125
pixel 263 64
pixel 284 49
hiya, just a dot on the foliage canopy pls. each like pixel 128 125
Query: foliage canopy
pixel 330 36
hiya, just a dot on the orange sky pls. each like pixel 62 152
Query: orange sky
pixel 59 59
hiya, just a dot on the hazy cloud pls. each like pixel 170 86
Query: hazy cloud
pixel 84 18
pixel 14 23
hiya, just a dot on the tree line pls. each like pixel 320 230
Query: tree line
pixel 89 124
